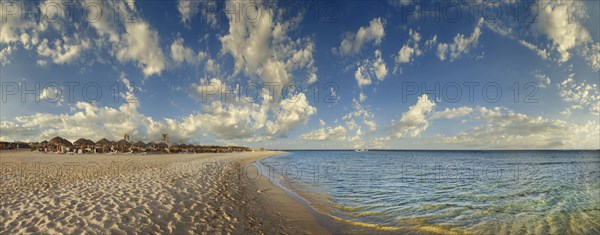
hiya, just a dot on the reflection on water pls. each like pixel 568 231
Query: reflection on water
pixel 480 192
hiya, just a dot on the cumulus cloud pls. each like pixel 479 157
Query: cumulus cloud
pixel 329 133
pixel 52 94
pixel 581 95
pixel 290 113
pixel 371 67
pixel 63 51
pixel 503 128
pixel 225 120
pixel 559 21
pixel 411 49
pixel 405 54
pixel 187 9
pixel 450 113
pixel 128 39
pixel 542 79
pixel 4 53
pixel 362 76
pixel 591 55
pixel 190 8
pixel 414 121
pixel 460 45
pixel 379 66
pixel 353 42
pixel 355 122
pixel 180 53
pixel 141 45
pixel 264 50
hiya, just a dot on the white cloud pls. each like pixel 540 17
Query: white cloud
pixel 442 50
pixel 63 51
pixel 460 45
pixel 264 50
pixel 353 42
pixel 312 78
pixel 414 121
pixel 4 54
pixel 450 113
pixel 367 118
pixel 591 55
pixel 379 66
pixel 187 10
pixel 248 121
pixel 105 25
pixel 190 8
pixel 509 33
pixel 431 42
pixel 362 97
pixel 141 44
pixel 502 128
pixel 405 55
pixel 541 53
pixel 362 76
pixel 329 133
pixel 542 79
pixel 290 113
pixel 581 94
pixel 559 20
pixel 181 53
pixel 52 94
pixel 411 49
pixel 371 67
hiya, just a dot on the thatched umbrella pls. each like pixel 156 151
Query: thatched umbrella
pixel 140 145
pixel 58 142
pixel 66 143
pixel 162 146
pixel 175 148
pixel 123 144
pixel 80 142
pixel 43 145
pixel 103 142
pixel 151 146
pixel 89 143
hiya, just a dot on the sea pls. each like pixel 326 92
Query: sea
pixel 447 192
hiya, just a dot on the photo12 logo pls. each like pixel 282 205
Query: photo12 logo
pixel 453 92
pixel 69 11
pixel 53 92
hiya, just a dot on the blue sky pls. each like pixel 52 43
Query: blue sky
pixel 165 70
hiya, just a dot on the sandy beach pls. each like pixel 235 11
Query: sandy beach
pixel 145 194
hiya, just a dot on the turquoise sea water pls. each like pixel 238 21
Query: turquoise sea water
pixel 472 192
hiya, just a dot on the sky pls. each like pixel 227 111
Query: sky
pixel 304 74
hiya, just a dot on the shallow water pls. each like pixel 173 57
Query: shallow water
pixel 479 192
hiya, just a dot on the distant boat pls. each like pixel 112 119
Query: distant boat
pixel 361 150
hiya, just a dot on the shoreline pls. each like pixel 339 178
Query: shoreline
pixel 326 224
pixel 297 217
pixel 332 224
